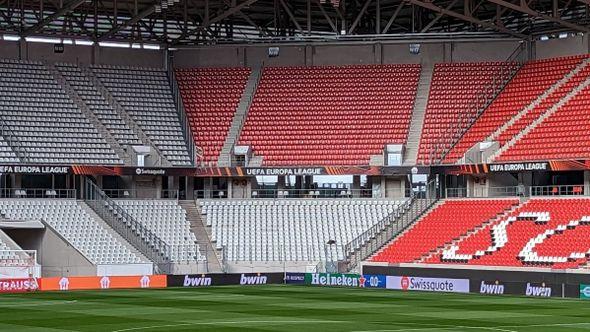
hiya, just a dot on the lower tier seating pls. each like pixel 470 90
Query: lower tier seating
pixel 541 232
pixel 443 224
pixel 75 225
pixel 290 230
pixel 167 219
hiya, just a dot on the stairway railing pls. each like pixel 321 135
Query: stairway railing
pixel 480 103
pixel 139 236
pixel 385 230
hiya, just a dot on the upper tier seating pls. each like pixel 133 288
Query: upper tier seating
pixel 454 90
pixel 48 125
pixel 445 223
pixel 563 134
pixel 146 95
pixel 531 81
pixel 330 115
pixel 561 219
pixel 168 221
pixel 75 225
pixel 7 154
pixel 98 105
pixel 210 97
pixel 291 230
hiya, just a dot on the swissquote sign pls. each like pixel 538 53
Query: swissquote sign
pixel 409 283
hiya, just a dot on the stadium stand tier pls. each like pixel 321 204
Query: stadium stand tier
pixel 329 115
pixel 98 105
pixel 146 95
pixel 541 232
pixel 453 98
pixel 528 85
pixel 290 230
pixel 446 222
pixel 167 219
pixel 63 135
pixel 75 225
pixel 561 132
pixel 210 97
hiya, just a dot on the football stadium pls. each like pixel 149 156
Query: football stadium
pixel 294 165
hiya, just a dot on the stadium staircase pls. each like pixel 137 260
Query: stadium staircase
pixel 378 236
pixel 226 154
pixel 579 73
pixel 193 214
pixel 82 106
pixel 417 121
pixel 161 161
pixel 134 232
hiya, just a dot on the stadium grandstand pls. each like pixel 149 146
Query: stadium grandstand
pixel 245 138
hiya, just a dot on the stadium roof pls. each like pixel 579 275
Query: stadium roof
pixel 199 22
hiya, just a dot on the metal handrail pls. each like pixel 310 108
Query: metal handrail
pixel 13 142
pixel 141 193
pixel 377 236
pixel 558 190
pixel 139 236
pixel 37 193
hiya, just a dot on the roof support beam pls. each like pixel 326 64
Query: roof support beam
pixel 463 17
pixel 393 17
pixel 61 12
pixel 524 8
pixel 438 17
pixel 143 14
pixel 330 22
pixel 291 16
pixel 359 16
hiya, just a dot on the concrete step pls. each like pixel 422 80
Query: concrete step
pixel 233 134
pixel 193 214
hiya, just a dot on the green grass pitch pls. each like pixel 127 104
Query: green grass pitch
pixel 286 308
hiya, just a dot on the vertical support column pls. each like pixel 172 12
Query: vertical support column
pixel 230 188
pixel 586 183
pixel 356 186
pixel 190 188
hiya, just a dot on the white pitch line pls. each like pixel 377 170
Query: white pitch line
pixel 250 322
pixel 17 305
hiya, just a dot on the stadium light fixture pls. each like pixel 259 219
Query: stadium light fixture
pixel 544 38
pixel 135 45
pixel 11 38
pixel 83 42
pixel 563 35
pixel 43 40
pixel 151 47
pixel 113 44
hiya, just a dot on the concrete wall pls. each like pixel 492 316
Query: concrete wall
pixel 56 256
pixel 342 54
pixel 562 47
pixel 82 54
